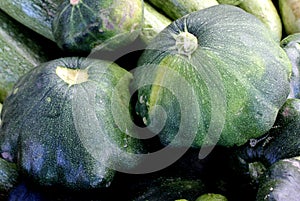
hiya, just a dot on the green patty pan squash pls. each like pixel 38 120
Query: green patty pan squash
pixel 58 124
pixel 81 25
pixel 215 76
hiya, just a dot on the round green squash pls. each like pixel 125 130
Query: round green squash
pixel 214 76
pixel 81 25
pixel 58 125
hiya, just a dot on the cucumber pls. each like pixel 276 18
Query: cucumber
pixel 20 50
pixel 154 22
pixel 35 14
pixel 267 13
pixel 175 9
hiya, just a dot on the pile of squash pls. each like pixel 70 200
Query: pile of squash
pixel 153 100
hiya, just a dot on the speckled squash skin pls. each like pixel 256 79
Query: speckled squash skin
pixel 50 122
pixel 237 73
pixel 80 26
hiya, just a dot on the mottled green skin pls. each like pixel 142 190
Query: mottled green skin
pixel 47 125
pixel 19 52
pixel 108 24
pixel 281 181
pixel 35 14
pixel 175 9
pixel 237 62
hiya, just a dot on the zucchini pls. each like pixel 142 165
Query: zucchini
pixel 281 181
pixel 290 15
pixel 175 9
pixel 35 14
pixel 154 22
pixel 267 13
pixel 19 52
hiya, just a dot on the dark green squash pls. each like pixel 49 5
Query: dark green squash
pixel 281 181
pixel 218 75
pixel 59 126
pixel 80 26
pixel 35 14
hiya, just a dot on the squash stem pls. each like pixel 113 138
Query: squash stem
pixel 186 43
